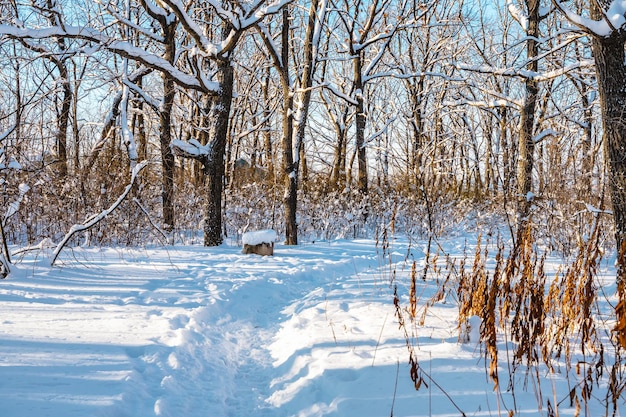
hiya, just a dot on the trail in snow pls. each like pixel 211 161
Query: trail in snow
pixel 182 332
pixel 193 331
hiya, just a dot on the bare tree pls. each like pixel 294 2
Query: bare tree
pixel 296 101
pixel 207 69
pixel 369 30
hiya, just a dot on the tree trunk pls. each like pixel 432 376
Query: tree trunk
pixel 165 122
pixel 338 173
pixel 214 165
pixel 63 121
pixel 416 90
pixel 290 171
pixel 140 127
pixel 527 121
pixel 361 120
pixel 609 54
pixel 587 140
pixel 489 174
pixel 267 127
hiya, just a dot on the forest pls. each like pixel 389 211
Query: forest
pixel 140 122
pixel 286 113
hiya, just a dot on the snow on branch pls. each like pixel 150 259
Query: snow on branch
pixel 140 92
pixel 15 205
pixel 614 19
pixel 7 132
pixel 488 69
pixel 380 132
pixel 271 46
pixel 123 48
pixel 134 26
pixel 594 210
pixel 258 125
pixel 544 134
pixel 190 149
pixel 255 13
pixel 191 27
pixel 518 14
pixel 486 104
pixel 155 10
pixel 95 219
pixel 127 135
pixel 340 94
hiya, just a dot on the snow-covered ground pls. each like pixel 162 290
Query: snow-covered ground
pixel 194 331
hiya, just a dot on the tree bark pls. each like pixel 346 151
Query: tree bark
pixel 214 164
pixel 609 57
pixel 290 172
pixel 64 118
pixel 526 156
pixel 361 121
pixel 267 128
pixel 338 173
pixel 165 122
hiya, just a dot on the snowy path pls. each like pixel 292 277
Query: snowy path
pixel 188 331
pixel 198 332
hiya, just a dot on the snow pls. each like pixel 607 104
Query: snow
pixel 194 331
pixel 518 14
pixel 192 148
pixel 14 206
pixel 259 236
pixel 614 19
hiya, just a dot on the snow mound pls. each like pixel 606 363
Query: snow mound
pixel 258 237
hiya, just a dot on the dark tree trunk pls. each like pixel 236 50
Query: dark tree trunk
pixel 290 168
pixel 526 156
pixel 139 127
pixel 64 120
pixel 608 53
pixel 416 90
pixel 338 173
pixel 165 122
pixel 214 165
pixel 361 121
pixel 587 142
pixel 267 131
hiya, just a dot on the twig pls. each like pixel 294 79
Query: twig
pixel 379 337
pixel 156 226
pixel 395 388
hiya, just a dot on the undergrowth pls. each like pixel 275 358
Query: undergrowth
pixel 535 323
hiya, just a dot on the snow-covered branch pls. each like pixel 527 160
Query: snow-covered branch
pixel 340 94
pixel 518 14
pixel 123 48
pixel 271 46
pixel 156 11
pixel 155 104
pixel 93 220
pixel 15 205
pixel 613 19
pixel 485 104
pixel 132 25
pixel 544 134
pixel 191 149
pixel 127 135
pixel 7 132
pixel 381 131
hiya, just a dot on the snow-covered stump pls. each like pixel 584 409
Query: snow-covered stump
pixel 260 242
